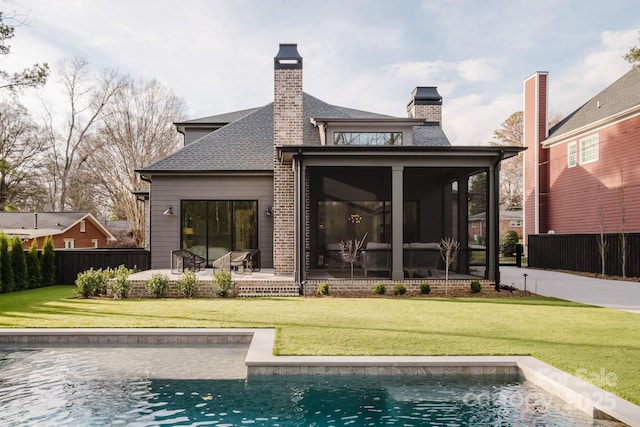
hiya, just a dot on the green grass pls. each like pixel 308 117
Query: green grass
pixel 570 336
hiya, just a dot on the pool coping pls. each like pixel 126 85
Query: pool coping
pixel 260 360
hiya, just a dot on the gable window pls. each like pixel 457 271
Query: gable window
pixel 589 149
pixel 83 226
pixel 572 154
pixel 69 243
pixel 367 138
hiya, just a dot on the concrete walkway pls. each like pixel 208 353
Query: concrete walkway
pixel 618 294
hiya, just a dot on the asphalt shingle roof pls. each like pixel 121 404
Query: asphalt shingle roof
pixel 53 220
pixel 246 144
pixel 621 95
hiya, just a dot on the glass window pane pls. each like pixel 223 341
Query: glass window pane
pixel 245 225
pixel 219 242
pixel 194 226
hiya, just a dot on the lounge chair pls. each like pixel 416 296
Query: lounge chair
pixel 423 258
pixel 182 260
pixel 376 258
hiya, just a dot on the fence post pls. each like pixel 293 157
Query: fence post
pixel 519 255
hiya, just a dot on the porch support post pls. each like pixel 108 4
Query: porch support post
pixel 493 213
pixel 463 224
pixel 397 223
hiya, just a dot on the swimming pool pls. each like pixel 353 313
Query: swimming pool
pixel 164 385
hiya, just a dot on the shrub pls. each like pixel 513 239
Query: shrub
pixel 425 288
pixel 475 286
pixel 89 282
pixel 33 267
pixel 508 243
pixel 399 290
pixel 379 289
pixel 188 284
pixel 117 279
pixel 323 289
pixel 157 285
pixel 6 271
pixel 47 263
pixel 223 282
pixel 19 264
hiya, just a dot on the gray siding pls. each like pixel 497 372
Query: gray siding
pixel 191 135
pixel 170 190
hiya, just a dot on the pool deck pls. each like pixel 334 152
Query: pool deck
pixel 605 407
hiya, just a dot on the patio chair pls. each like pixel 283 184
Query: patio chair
pixel 423 258
pixel 376 258
pixel 182 260
pixel 238 261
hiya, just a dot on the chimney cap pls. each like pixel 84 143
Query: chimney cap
pixel 425 95
pixel 288 57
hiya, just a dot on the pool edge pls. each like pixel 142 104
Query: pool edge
pixel 260 360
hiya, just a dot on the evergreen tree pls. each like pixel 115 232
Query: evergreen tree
pixel 6 272
pixel 18 264
pixel 33 267
pixel 47 263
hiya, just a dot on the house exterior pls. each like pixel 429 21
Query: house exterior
pixel 509 220
pixel 69 230
pixel 583 172
pixel 297 176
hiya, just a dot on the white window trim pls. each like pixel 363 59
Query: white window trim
pixel 572 155
pixel 83 226
pixel 69 243
pixel 591 138
pixel 95 242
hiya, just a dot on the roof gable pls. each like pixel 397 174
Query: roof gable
pixel 620 96
pixel 246 144
pixel 37 224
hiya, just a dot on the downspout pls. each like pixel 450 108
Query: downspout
pixel 300 226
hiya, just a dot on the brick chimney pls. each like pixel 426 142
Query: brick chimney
pixel 287 130
pixel 536 159
pixel 425 103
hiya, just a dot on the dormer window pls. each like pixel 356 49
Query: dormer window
pixel 367 138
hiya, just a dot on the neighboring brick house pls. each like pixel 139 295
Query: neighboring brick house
pixel 69 230
pixel 297 176
pixel 509 220
pixel 577 172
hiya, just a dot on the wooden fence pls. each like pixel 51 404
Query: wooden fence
pixel 580 252
pixel 71 262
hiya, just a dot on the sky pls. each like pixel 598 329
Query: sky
pixel 217 55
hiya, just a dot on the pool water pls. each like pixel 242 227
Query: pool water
pixel 118 386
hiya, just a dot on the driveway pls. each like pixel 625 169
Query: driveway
pixel 618 294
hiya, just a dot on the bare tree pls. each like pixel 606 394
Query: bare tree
pixel 29 77
pixel 602 243
pixel 21 144
pixel 137 130
pixel 87 98
pixel 350 250
pixel 511 184
pixel 449 248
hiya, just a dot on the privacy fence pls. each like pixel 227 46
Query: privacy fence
pixel 71 262
pixel 581 252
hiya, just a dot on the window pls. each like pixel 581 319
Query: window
pixel 572 154
pixel 83 226
pixel 589 149
pixel 515 223
pixel 367 138
pixel 211 228
pixel 69 243
pixel 95 243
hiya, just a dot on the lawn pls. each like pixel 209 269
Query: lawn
pixel 599 342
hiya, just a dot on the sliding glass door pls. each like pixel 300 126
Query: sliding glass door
pixel 211 228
